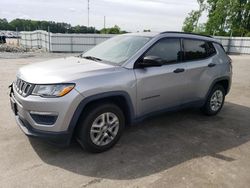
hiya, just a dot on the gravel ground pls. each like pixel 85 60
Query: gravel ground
pixel 180 149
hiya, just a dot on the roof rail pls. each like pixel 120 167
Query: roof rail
pixel 186 33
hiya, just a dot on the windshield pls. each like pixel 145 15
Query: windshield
pixel 117 49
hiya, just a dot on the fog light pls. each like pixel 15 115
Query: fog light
pixel 44 118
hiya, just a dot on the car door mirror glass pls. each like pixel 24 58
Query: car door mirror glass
pixel 151 61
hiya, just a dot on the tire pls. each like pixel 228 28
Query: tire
pixel 215 101
pixel 96 125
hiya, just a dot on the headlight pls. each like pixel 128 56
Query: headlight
pixel 53 90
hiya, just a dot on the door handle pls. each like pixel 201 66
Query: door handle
pixel 179 70
pixel 211 65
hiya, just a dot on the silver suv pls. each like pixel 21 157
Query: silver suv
pixel 124 79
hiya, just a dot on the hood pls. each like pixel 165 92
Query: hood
pixel 62 70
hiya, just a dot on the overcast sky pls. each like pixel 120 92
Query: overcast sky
pixel 130 15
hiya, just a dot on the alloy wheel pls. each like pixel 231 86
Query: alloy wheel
pixel 104 129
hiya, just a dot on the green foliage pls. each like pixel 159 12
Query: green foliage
pixel 248 34
pixel 55 27
pixel 224 17
pixel 4 24
pixel 201 29
pixel 217 17
pixel 191 22
pixel 31 25
pixel 112 30
pixel 240 18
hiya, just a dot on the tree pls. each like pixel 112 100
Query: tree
pixel 218 16
pixel 201 29
pixel 240 18
pixel 225 17
pixel 112 30
pixel 191 22
pixel 4 24
pixel 55 27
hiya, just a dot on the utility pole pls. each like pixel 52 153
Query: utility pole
pixel 104 24
pixel 88 13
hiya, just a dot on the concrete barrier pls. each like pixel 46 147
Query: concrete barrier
pixel 239 45
pixel 58 42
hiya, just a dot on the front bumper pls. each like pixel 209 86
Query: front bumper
pixel 59 138
pixel 57 133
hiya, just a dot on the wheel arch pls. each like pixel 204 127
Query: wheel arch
pixel 224 81
pixel 120 98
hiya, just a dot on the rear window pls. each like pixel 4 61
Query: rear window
pixel 210 49
pixel 197 49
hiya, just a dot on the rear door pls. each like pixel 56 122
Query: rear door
pixel 161 87
pixel 200 58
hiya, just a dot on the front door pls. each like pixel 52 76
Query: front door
pixel 161 87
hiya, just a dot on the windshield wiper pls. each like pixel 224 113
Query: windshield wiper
pixel 91 58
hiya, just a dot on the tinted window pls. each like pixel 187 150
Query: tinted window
pixel 194 49
pixel 168 50
pixel 210 49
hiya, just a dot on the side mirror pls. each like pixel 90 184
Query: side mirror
pixel 151 61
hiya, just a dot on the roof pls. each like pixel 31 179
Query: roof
pixel 144 34
pixel 175 34
pixel 186 33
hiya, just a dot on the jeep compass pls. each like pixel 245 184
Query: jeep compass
pixel 129 77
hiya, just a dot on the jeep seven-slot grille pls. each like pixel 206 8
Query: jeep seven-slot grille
pixel 23 88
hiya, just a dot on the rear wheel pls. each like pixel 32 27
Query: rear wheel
pixel 101 127
pixel 215 101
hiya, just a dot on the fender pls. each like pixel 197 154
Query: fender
pixel 92 98
pixel 217 80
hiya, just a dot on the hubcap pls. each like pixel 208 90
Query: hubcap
pixel 216 100
pixel 104 129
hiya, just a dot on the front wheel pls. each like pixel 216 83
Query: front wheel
pixel 215 101
pixel 101 127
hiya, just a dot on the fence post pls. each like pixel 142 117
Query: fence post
pixel 17 34
pixel 31 40
pixel 25 38
pixel 49 37
pixel 44 42
pixel 229 45
pixel 241 45
pixel 71 43
pixel 95 40
pixel 37 39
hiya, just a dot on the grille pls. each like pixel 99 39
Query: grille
pixel 23 88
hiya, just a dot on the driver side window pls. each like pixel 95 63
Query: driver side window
pixel 169 50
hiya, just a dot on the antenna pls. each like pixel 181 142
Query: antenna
pixel 88 13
